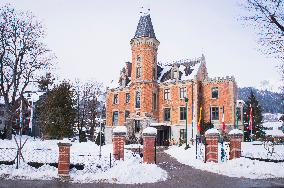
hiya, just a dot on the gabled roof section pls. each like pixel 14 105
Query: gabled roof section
pixel 186 70
pixel 145 27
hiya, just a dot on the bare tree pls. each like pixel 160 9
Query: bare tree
pixel 88 106
pixel 267 17
pixel 23 55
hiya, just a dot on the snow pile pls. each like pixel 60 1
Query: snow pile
pixel 235 131
pixel 212 131
pixel 150 130
pixel 120 129
pixel 241 167
pixel 129 171
pixel 86 154
pixel 27 172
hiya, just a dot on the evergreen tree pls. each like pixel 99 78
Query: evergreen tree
pixel 257 128
pixel 56 113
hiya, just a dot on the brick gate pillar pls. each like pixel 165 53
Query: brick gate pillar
pixel 118 140
pixel 64 159
pixel 236 137
pixel 211 148
pixel 149 138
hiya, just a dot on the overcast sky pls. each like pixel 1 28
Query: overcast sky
pixel 91 38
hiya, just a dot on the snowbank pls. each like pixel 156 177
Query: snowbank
pixel 150 130
pixel 235 131
pixel 212 131
pixel 241 167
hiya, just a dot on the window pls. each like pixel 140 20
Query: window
pixel 0 121
pixel 214 113
pixel 138 71
pixel 115 99
pixel 138 67
pixel 137 99
pixel 175 74
pixel 182 134
pixel 182 92
pixel 138 59
pixel 127 97
pixel 127 113
pixel 1 113
pixel 214 91
pixel 115 118
pixel 167 114
pixel 154 101
pixel 182 111
pixel 137 126
pixel 154 73
pixel 167 94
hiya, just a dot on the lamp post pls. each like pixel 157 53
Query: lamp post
pixel 186 104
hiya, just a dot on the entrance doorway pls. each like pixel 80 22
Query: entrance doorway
pixel 163 135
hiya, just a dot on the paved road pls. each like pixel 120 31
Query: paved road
pixel 179 176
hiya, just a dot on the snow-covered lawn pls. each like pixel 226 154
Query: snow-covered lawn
pixel 257 150
pixel 129 171
pixel 241 167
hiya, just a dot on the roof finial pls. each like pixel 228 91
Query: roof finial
pixel 145 10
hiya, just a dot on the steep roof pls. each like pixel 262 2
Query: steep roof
pixel 187 70
pixel 145 27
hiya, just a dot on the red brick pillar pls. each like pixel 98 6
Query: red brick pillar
pixel 118 140
pixel 64 159
pixel 149 138
pixel 236 137
pixel 211 148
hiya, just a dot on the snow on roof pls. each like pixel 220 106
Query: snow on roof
pixel 150 130
pixel 235 131
pixel 275 129
pixel 274 133
pixel 120 129
pixel 187 69
pixel 275 124
pixel 212 131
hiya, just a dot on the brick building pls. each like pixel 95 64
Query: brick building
pixel 153 94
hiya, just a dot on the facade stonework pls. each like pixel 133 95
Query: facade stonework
pixel 157 92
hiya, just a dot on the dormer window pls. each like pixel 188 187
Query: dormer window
pixel 214 93
pixel 175 73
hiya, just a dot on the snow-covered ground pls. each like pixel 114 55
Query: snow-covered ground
pixel 129 171
pixel 241 167
pixel 263 150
